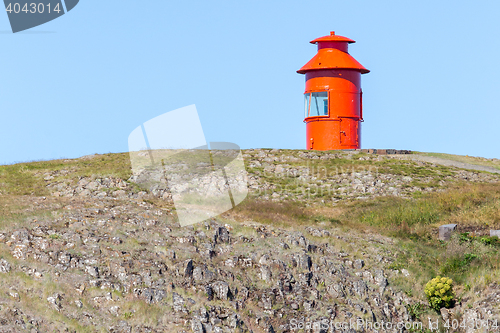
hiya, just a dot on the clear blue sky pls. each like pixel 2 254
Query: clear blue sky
pixel 80 84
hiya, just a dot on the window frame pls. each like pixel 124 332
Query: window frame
pixel 307 110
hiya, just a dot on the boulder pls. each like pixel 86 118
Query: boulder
pixel 446 230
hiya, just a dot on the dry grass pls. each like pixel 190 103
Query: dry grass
pixel 276 213
pixel 467 159
pixel 474 206
pixel 19 211
pixel 469 205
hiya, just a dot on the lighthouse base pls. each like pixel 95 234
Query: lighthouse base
pixel 333 133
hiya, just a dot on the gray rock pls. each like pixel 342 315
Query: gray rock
pixel 367 275
pixel 151 295
pixel 116 240
pixel 92 271
pixel 121 327
pixel 4 266
pixel 114 310
pixel 198 274
pixel 265 260
pixel 265 273
pixel 387 311
pixel 444 313
pixel 201 315
pixel 314 232
pixel 209 292
pixel 202 273
pixel 312 248
pixel 303 261
pixel 360 288
pixel 222 235
pixel 233 320
pixel 495 233
pixel 221 290
pixel 305 278
pixel 303 242
pixel 284 246
pixel 207 250
pixel 446 230
pixel 336 290
pixel 197 326
pixel 267 301
pixel 380 280
pixel 55 301
pixel 64 258
pixel 178 302
pixel 359 264
pixel 15 295
pixel 20 236
pixel 308 305
pixel 185 268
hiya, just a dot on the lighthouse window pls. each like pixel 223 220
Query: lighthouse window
pixel 316 104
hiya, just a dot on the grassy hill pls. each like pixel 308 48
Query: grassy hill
pixel 333 236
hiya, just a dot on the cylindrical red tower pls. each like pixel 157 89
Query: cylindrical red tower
pixel 333 96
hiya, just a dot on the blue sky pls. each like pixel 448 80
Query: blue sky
pixel 80 84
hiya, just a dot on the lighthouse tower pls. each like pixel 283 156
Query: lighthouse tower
pixel 333 96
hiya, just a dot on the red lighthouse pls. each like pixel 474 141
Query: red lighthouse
pixel 333 96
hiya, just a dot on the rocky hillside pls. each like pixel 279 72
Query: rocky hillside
pixel 325 242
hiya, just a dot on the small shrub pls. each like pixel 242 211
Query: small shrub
pixel 490 241
pixel 439 292
pixel 415 310
pixel 465 237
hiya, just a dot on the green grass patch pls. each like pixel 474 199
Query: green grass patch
pixel 28 178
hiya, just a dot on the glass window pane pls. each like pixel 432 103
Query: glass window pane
pixel 317 103
pixel 307 98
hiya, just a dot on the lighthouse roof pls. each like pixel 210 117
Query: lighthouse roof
pixel 330 58
pixel 332 38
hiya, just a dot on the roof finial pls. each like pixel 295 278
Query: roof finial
pixel 332 33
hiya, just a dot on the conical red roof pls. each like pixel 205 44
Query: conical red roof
pixel 332 59
pixel 332 54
